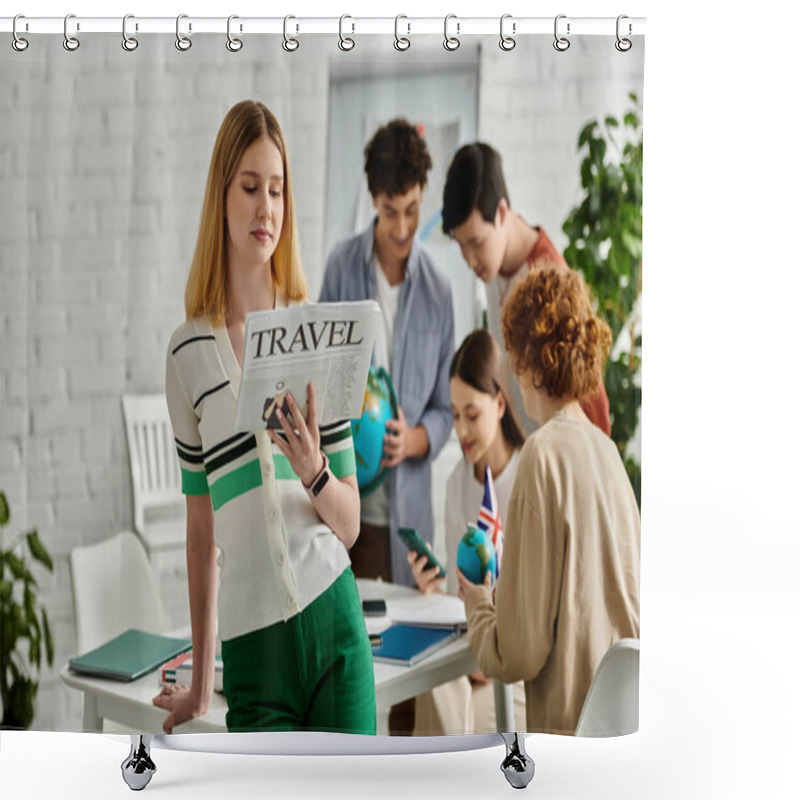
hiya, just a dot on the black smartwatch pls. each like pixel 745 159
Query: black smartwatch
pixel 321 479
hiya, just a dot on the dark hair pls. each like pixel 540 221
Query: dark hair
pixel 552 333
pixel 479 363
pixel 474 180
pixel 396 159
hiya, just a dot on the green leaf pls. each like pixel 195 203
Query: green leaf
pixel 633 244
pixel 611 122
pixel 17 567
pixel 5 512
pixel 631 120
pixel 586 134
pixel 38 550
pixel 48 638
pixel 597 150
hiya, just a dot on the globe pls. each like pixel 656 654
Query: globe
pixel 380 405
pixel 476 554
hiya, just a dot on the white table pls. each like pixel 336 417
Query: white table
pixel 130 704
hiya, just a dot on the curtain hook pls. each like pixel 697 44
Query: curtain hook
pixel 507 42
pixel 561 43
pixel 401 43
pixel 623 45
pixel 182 42
pixel 346 43
pixel 18 43
pixel 129 43
pixel 233 44
pixel 290 44
pixel 70 43
pixel 451 43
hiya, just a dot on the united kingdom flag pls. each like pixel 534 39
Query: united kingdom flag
pixel 489 517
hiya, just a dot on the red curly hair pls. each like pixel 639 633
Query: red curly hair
pixel 551 332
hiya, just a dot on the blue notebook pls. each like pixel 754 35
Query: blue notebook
pixel 407 644
pixel 129 656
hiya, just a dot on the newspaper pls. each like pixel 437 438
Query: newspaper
pixel 327 344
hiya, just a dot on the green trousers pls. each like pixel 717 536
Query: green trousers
pixel 312 672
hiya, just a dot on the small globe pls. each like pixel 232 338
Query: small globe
pixel 476 555
pixel 380 406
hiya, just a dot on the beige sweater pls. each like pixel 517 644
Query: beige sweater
pixel 569 581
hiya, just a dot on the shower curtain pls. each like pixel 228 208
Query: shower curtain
pixel 104 156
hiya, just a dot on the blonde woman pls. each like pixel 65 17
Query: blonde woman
pixel 282 508
pixel 569 585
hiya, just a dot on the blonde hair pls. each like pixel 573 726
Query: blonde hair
pixel 206 288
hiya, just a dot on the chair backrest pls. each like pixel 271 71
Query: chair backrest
pixel 611 707
pixel 155 473
pixel 113 589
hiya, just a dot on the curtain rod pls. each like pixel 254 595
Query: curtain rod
pixel 347 25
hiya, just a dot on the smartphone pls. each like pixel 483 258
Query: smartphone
pixel 414 542
pixel 374 608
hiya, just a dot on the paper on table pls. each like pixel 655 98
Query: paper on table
pixel 430 610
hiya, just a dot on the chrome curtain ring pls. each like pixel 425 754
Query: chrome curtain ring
pixel 290 44
pixel 401 43
pixel 18 43
pixel 451 43
pixel 129 43
pixel 70 42
pixel 623 45
pixel 346 43
pixel 561 43
pixel 182 42
pixel 233 44
pixel 507 42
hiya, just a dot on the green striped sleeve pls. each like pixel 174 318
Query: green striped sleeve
pixel 235 483
pixel 193 482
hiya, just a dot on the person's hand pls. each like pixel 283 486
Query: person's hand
pixel 397 443
pixel 478 678
pixel 428 580
pixel 181 704
pixel 302 439
pixel 464 585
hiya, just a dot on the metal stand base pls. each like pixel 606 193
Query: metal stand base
pixel 138 768
pixel 518 766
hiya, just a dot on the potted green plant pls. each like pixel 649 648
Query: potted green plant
pixel 605 244
pixel 22 620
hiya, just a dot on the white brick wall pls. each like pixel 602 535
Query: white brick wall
pixel 103 158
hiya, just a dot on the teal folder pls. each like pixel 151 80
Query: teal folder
pixel 408 644
pixel 129 656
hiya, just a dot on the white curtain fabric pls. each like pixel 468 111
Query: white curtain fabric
pixel 103 162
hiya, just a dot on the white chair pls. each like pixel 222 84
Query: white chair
pixel 159 511
pixel 113 589
pixel 611 707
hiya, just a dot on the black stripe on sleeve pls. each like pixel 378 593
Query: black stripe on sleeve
pixel 333 425
pixel 231 455
pixel 185 446
pixel 190 458
pixel 222 445
pixel 193 339
pixel 210 391
pixel 335 436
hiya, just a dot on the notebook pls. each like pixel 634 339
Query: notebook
pixel 129 656
pixel 408 644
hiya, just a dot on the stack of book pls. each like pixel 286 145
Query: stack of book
pixel 179 670
pixel 408 644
